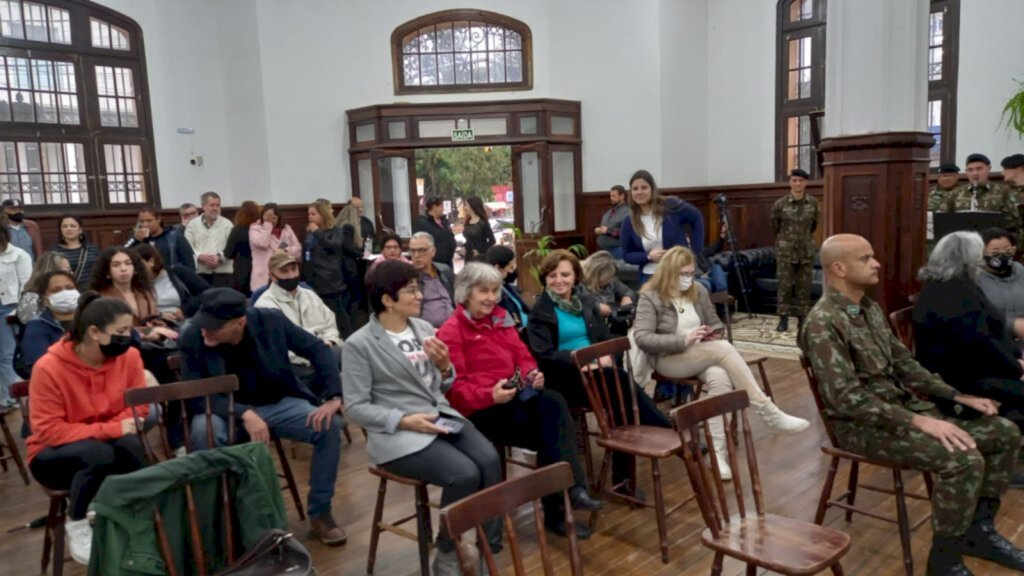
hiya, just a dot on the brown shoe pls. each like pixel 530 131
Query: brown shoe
pixel 327 530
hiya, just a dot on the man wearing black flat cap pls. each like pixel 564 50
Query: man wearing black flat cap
pixel 949 177
pixel 1013 172
pixel 978 194
pixel 794 219
pixel 225 337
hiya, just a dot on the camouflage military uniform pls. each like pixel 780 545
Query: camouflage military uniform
pixel 991 197
pixel 872 387
pixel 793 223
pixel 937 198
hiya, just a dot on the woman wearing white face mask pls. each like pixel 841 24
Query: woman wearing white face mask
pixel 676 326
pixel 59 298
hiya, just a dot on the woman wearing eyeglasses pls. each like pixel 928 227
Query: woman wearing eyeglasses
pixel 676 326
pixel 1002 279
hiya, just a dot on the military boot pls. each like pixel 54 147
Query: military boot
pixel 944 559
pixel 983 541
pixel 783 324
pixel 799 323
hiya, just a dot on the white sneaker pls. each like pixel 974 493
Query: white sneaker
pixel 722 454
pixel 79 534
pixel 779 421
pixel 447 563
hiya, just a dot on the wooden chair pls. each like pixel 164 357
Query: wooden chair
pixel 776 543
pixel 174 363
pixel 853 484
pixel 504 500
pixel 56 516
pixel 424 531
pixel 8 442
pixel 902 324
pixel 621 431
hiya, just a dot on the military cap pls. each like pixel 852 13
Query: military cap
pixel 976 157
pixel 949 169
pixel 1013 161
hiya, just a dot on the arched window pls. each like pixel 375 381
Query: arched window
pixel 462 51
pixel 800 86
pixel 75 128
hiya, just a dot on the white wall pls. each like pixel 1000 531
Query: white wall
pixel 683 49
pixel 991 50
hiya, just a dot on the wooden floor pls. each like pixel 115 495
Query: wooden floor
pixel 792 471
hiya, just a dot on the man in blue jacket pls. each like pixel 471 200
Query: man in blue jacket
pixel 225 337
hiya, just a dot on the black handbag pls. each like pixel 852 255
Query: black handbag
pixel 276 554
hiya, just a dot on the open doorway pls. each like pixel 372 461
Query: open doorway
pixel 457 173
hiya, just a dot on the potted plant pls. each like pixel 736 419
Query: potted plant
pixel 1013 112
pixel 534 251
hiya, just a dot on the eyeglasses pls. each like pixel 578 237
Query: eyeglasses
pixel 411 290
pixel 415 251
pixel 1010 252
pixel 689 275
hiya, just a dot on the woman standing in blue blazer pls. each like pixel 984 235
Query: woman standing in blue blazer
pixel 657 223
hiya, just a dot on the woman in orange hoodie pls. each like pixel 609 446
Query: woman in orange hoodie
pixel 82 431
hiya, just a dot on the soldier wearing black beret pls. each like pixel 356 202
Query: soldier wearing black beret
pixel 978 194
pixel 1013 172
pixel 794 219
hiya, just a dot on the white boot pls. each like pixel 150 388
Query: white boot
pixel 721 450
pixel 79 534
pixel 447 563
pixel 778 421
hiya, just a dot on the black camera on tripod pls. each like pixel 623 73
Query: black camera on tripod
pixel 721 199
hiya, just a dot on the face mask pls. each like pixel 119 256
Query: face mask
pixel 288 284
pixel 64 301
pixel 999 263
pixel 685 283
pixel 511 277
pixel 16 217
pixel 119 344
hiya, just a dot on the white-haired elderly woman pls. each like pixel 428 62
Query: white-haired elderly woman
pixel 959 334
pixel 501 390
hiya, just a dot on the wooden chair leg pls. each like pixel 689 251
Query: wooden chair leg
pixel 903 521
pixel 378 515
pixel 15 453
pixel 928 485
pixel 764 381
pixel 659 509
pixel 606 465
pixel 837 569
pixel 503 461
pixel 286 473
pixel 716 566
pixel 48 531
pixel 3 461
pixel 55 530
pixel 423 530
pixel 826 491
pixel 583 437
pixel 751 569
pixel 852 487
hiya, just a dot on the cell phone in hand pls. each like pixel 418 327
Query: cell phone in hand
pixel 714 334
pixel 452 426
pixel 516 381
pixel 282 245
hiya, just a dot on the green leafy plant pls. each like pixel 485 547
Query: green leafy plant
pixel 544 247
pixel 1013 112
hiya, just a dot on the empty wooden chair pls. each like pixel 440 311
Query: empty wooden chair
pixel 847 499
pixel 902 324
pixel 620 431
pixel 761 540
pixel 9 444
pixel 503 500
pixel 424 531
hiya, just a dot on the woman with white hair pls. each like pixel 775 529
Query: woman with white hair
pixel 502 392
pixel 959 334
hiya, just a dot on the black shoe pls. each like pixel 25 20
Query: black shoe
pixel 783 324
pixel 945 562
pixel 581 500
pixel 582 530
pixel 983 541
pixel 1017 480
pixel 799 323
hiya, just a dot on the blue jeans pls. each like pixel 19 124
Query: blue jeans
pixel 287 419
pixel 616 252
pixel 8 345
pixel 715 280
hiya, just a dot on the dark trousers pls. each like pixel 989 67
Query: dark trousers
pixel 219 280
pixel 461 464
pixel 338 303
pixel 82 466
pixel 1008 392
pixel 543 424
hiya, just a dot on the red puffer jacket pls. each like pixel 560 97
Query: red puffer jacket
pixel 483 351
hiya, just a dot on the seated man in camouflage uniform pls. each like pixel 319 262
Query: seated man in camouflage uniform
pixel 874 394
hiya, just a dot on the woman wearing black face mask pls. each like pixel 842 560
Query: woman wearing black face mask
pixel 82 431
pixel 1002 279
pixel 504 259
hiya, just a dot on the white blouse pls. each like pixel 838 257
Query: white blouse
pixel 688 317
pixel 651 240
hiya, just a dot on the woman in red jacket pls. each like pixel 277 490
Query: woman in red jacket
pixel 525 415
pixel 82 431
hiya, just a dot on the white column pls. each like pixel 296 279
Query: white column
pixel 876 67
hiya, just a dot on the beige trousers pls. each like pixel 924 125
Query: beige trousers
pixel 718 365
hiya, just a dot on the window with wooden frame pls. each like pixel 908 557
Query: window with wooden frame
pixel 462 51
pixel 75 129
pixel 800 86
pixel 943 56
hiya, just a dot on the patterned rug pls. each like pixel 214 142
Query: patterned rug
pixel 758 334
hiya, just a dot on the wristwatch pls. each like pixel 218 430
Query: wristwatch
pixel 447 372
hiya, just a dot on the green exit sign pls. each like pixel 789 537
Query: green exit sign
pixel 463 135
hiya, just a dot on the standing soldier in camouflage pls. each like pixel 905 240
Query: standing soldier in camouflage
pixel 1013 173
pixel 876 401
pixel 949 177
pixel 978 194
pixel 794 220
